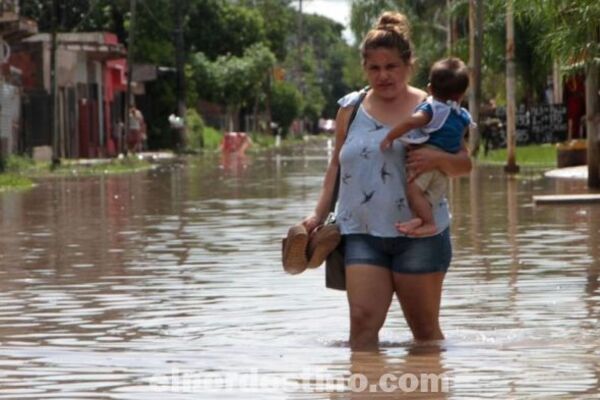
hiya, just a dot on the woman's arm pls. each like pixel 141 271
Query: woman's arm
pixel 421 160
pixel 324 203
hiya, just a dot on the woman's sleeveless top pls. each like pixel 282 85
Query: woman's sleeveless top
pixel 372 183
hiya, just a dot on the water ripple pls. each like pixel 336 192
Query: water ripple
pixel 110 285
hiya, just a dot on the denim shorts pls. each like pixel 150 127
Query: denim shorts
pixel 400 254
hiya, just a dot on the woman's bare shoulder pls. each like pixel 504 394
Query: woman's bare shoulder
pixel 343 115
pixel 417 93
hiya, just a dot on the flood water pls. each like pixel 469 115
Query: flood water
pixel 167 284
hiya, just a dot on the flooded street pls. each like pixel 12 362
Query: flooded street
pixel 142 286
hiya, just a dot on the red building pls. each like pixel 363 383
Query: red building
pixel 91 85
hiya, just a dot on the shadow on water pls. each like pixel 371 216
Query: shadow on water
pixel 125 287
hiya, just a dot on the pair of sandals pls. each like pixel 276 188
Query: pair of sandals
pixel 301 250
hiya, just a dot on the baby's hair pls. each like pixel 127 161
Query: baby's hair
pixel 449 78
pixel 392 31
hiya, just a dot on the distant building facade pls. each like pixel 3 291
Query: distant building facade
pixel 91 85
pixel 13 28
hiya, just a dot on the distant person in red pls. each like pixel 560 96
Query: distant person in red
pixel 235 142
pixel 574 98
pixel 137 130
pixel 233 152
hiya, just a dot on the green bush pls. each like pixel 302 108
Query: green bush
pixel 212 138
pixel 18 164
pixel 14 181
pixel 262 139
pixel 195 130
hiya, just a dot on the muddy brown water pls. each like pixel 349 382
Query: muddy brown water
pixel 167 284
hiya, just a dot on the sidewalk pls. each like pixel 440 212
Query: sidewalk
pixel 579 172
pixel 157 155
pixel 145 155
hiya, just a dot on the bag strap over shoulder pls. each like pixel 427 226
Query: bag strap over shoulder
pixel 361 97
pixel 336 188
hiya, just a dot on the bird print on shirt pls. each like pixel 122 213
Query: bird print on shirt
pixel 401 203
pixel 367 196
pixel 346 178
pixel 347 216
pixel 364 153
pixel 384 173
pixel 376 128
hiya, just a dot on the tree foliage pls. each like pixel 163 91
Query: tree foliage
pixel 286 103
pixel 323 66
pixel 216 28
pixel 227 43
pixel 231 47
pixel 545 30
pixel 279 22
pixel 72 15
pixel 572 27
pixel 230 80
pixel 428 32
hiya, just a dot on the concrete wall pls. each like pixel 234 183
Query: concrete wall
pixel 10 114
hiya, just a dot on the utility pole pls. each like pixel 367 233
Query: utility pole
pixel 511 166
pixel 129 97
pixel 300 58
pixel 592 112
pixel 300 40
pixel 180 65
pixel 475 55
pixel 54 134
pixel 2 162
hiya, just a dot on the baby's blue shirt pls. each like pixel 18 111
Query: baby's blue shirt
pixel 450 136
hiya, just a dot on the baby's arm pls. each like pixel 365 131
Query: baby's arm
pixel 417 120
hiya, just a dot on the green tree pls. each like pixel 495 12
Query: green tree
pixel 352 70
pixel 233 69
pixel 279 22
pixel 233 81
pixel 72 15
pixel 573 38
pixel 318 71
pixel 217 28
pixel 153 45
pixel 286 103
pixel 426 17
pixel 533 62
pixel 364 14
pixel 312 87
pixel 323 68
